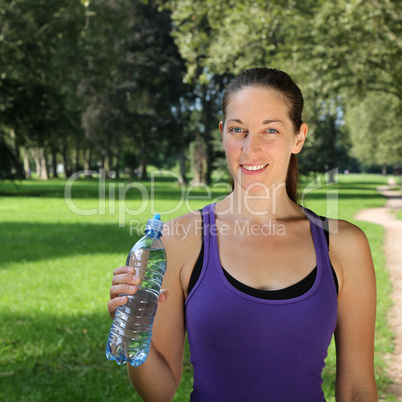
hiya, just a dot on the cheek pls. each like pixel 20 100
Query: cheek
pixel 280 147
pixel 231 147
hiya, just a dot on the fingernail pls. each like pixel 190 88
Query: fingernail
pixel 131 288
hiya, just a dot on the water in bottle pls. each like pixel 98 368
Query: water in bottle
pixel 130 335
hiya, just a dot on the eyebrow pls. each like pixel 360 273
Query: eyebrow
pixel 264 121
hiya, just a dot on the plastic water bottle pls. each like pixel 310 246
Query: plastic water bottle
pixel 130 335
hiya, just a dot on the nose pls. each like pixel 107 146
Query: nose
pixel 252 145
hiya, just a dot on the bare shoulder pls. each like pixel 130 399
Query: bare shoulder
pixel 183 230
pixel 349 252
pixel 346 237
pixel 182 238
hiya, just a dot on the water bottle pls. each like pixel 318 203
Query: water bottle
pixel 130 335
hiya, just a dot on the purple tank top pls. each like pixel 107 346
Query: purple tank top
pixel 245 348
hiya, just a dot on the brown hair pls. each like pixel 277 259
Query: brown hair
pixel 281 82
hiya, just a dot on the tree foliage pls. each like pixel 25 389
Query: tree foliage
pixel 374 125
pixel 335 50
pixel 82 81
pixel 88 82
pixel 359 45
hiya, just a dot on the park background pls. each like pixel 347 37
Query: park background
pixel 112 92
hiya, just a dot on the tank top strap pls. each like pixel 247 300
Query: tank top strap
pixel 211 253
pixel 320 246
pixel 210 247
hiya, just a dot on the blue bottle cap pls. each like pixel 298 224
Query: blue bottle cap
pixel 155 224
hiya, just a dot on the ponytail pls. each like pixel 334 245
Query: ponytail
pixel 292 179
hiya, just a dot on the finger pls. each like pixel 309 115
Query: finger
pixel 123 269
pixel 163 296
pixel 117 290
pixel 112 305
pixel 126 278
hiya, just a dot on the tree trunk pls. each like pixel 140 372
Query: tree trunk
pixel 144 175
pixel 107 154
pixel 199 160
pixel 54 163
pixel 106 164
pixel 44 175
pixel 207 120
pixel 17 156
pixel 182 163
pixel 36 158
pixel 331 176
pixel 384 169
pixel 67 171
pixel 26 164
pixel 87 161
pixel 117 163
pixel 331 148
pixel 143 159
pixel 40 163
pixel 182 156
pixel 77 158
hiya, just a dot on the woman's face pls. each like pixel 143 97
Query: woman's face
pixel 258 138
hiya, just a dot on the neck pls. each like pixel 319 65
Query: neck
pixel 260 206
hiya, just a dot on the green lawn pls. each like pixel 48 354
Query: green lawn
pixel 56 270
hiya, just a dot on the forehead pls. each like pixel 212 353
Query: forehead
pixel 257 101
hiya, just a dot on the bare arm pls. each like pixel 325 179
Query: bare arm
pixel 159 377
pixel 354 333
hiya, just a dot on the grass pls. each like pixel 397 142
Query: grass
pixel 56 269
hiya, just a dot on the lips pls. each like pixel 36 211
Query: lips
pixel 253 168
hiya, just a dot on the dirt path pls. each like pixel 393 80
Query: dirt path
pixel 393 259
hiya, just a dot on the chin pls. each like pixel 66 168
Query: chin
pixel 256 189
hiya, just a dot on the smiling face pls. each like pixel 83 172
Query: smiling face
pixel 259 137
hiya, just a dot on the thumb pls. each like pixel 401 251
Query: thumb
pixel 163 296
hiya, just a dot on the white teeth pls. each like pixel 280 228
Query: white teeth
pixel 256 167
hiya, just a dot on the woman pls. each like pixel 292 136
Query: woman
pixel 262 288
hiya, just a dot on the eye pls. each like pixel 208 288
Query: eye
pixel 272 131
pixel 236 130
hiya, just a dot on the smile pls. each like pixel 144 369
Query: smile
pixel 253 167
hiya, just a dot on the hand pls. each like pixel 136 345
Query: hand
pixel 125 281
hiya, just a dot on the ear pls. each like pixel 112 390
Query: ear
pixel 300 137
pixel 221 128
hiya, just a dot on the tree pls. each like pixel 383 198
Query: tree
pixel 194 33
pixel 86 80
pixel 374 125
pixel 133 86
pixel 10 166
pixel 358 45
pixel 64 98
pixel 31 81
pixel 347 48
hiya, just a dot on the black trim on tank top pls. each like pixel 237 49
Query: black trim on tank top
pixel 296 290
pixel 291 292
